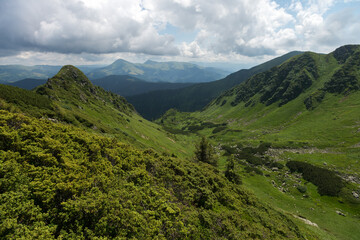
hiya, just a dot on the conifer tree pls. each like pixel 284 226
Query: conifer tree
pixel 204 152
pixel 230 172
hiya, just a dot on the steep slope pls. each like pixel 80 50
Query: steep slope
pixel 153 104
pixel 287 96
pixel 175 72
pixel 127 86
pixel 62 178
pixel 294 130
pixel 71 98
pixel 60 182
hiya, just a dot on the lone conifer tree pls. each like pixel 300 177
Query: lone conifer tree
pixel 204 152
pixel 231 171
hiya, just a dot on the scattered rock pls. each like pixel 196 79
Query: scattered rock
pixel 355 194
pixel 306 221
pixel 325 163
pixel 275 169
pixel 340 213
pixel 53 119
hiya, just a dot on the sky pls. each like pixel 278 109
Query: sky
pixel 244 32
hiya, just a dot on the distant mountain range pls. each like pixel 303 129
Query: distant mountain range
pixel 152 105
pixel 127 86
pixel 152 71
pixel 27 83
pixel 122 85
pixel 13 73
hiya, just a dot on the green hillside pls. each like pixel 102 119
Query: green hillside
pixel 65 174
pixel 152 105
pixel 69 97
pixel 294 131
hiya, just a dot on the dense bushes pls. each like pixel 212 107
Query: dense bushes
pixel 327 181
pixel 57 181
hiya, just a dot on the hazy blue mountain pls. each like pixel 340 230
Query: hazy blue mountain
pixel 125 85
pixel 13 73
pixel 160 71
pixel 152 105
pixel 28 83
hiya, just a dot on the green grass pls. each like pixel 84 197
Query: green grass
pixel 327 136
pixel 318 209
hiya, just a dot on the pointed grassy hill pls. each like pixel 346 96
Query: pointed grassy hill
pixel 69 97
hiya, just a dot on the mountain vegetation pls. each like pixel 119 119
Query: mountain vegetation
pixel 151 71
pixel 274 157
pixel 153 104
pixel 293 132
pixel 63 178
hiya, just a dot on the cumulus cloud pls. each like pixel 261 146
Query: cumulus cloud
pixel 67 26
pixel 221 28
pixel 318 30
pixel 246 27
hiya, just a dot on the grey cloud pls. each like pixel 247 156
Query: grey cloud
pixel 254 51
pixel 228 26
pixel 72 27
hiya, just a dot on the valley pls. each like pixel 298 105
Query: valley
pixel 80 162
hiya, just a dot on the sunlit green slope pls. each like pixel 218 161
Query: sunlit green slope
pixel 304 115
pixel 58 181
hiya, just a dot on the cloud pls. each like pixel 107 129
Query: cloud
pixel 318 30
pixel 215 29
pixel 67 26
pixel 240 26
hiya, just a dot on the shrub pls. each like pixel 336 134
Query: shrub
pixel 301 188
pixel 249 169
pixel 327 181
pixel 218 129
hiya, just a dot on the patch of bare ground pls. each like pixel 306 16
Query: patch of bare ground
pixel 307 221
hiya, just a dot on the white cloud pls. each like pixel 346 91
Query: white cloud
pixel 240 26
pixel 223 29
pixel 67 26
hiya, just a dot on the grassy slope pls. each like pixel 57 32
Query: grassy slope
pixel 102 182
pixel 90 107
pixel 326 135
pixel 59 181
pixel 153 104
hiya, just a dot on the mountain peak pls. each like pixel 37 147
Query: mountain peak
pixel 342 53
pixel 120 61
pixel 69 81
pixel 69 74
pixel 150 62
